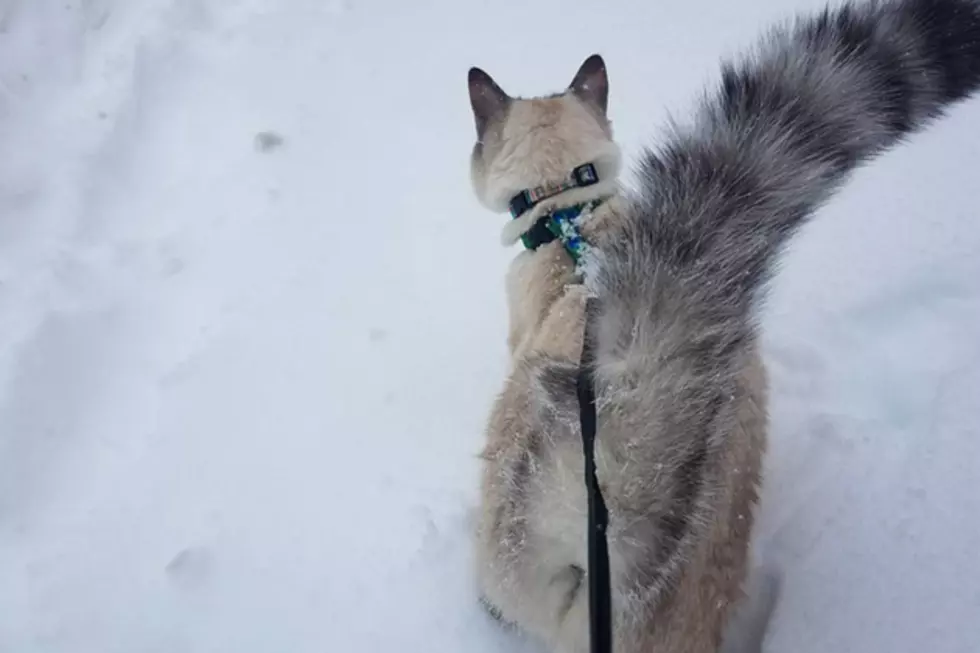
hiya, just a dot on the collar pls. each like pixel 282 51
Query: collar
pixel 496 185
pixel 588 182
pixel 537 222
pixel 582 176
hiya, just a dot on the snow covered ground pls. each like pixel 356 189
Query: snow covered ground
pixel 252 319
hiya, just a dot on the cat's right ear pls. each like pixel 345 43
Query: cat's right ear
pixel 591 83
pixel 487 99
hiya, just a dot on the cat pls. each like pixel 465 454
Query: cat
pixel 678 268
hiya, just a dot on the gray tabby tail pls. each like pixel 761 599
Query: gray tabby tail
pixel 788 124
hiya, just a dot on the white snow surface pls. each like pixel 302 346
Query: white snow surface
pixel 242 389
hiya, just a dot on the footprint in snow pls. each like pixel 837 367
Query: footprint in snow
pixel 268 141
pixel 191 567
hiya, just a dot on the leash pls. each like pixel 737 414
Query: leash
pixel 600 603
pixel 562 225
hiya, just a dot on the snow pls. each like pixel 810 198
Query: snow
pixel 253 320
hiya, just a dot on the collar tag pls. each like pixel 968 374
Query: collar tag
pixel 585 175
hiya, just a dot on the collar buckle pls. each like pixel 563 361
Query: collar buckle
pixel 581 176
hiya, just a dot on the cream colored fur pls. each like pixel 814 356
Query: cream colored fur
pixel 531 535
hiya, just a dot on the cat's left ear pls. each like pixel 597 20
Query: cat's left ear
pixel 591 83
pixel 487 99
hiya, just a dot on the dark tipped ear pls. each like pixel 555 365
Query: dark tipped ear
pixel 591 83
pixel 487 99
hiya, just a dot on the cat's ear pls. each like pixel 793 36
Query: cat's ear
pixel 487 99
pixel 591 83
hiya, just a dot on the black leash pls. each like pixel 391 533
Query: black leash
pixel 600 602
pixel 561 224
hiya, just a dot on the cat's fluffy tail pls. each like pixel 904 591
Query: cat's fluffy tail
pixel 679 279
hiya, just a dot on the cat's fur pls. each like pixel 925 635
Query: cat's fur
pixel 679 268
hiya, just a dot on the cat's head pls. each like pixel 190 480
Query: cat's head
pixel 527 142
